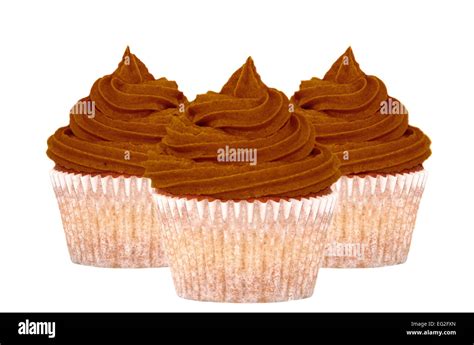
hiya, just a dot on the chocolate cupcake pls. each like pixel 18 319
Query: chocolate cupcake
pixel 244 195
pixel 381 158
pixel 106 205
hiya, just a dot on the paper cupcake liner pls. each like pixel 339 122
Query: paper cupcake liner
pixel 374 219
pixel 241 251
pixel 109 221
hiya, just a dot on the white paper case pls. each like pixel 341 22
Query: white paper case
pixel 245 251
pixel 109 221
pixel 374 219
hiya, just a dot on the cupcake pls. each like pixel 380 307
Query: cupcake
pixel 244 195
pixel 106 204
pixel 381 159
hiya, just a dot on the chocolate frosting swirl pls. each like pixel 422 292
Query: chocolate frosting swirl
pixel 346 108
pixel 131 111
pixel 245 115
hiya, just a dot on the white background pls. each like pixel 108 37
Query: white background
pixel 52 52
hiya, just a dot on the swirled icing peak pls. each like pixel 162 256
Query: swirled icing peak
pixel 366 128
pixel 124 116
pixel 241 143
